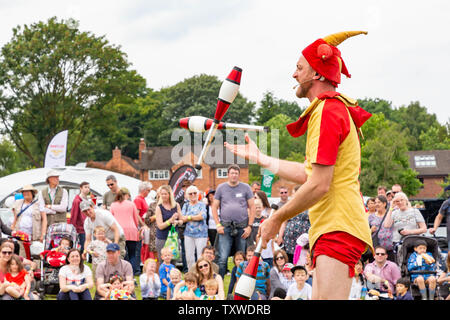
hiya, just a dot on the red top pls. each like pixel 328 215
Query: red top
pixel 19 279
pixel 141 205
pixel 76 217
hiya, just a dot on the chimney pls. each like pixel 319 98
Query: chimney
pixel 142 147
pixel 117 154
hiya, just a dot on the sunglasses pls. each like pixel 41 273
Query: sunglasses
pixel 279 258
pixel 283 192
pixel 380 254
pixel 203 266
pixel 110 184
pixel 6 252
pixel 191 193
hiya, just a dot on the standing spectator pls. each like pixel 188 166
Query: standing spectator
pixel 385 234
pixel 237 212
pixel 389 197
pixel 148 235
pixel 444 211
pixel 100 217
pixel 164 270
pixel 75 278
pixel 256 186
pixel 404 221
pixel 256 222
pixel 381 191
pixel 144 189
pixel 284 196
pixel 280 258
pixel 110 196
pixel 28 218
pixel 168 212
pixel 196 232
pixel 149 281
pixel 53 200
pixel 292 229
pixel 262 287
pixel 371 206
pixel 113 265
pixel 382 274
pixel 76 218
pixel 126 214
pixel 97 248
pixel 396 188
pixel 212 230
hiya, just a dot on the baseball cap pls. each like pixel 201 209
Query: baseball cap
pixel 85 204
pixel 112 247
pixel 288 267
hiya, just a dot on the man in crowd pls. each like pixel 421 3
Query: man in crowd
pixel 284 196
pixel 113 265
pixel 381 191
pixel 330 189
pixel 144 189
pixel 237 212
pixel 54 199
pixel 256 186
pixel 208 253
pixel 76 218
pixel 382 274
pixel 101 217
pixel 396 188
pixel 444 211
pixel 110 195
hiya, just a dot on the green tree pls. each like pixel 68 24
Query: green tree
pixel 271 106
pixel 384 157
pixel 55 77
pixel 437 137
pixel 377 105
pixel 10 160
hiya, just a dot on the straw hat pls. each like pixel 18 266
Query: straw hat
pixel 28 187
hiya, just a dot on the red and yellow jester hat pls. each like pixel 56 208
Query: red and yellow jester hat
pixel 325 58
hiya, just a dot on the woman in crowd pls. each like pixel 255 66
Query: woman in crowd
pixel 28 218
pixel 265 202
pixel 371 207
pixel 280 258
pixel 167 212
pixel 212 230
pixel 205 272
pixel 75 278
pixel 127 216
pixel 196 232
pixel 405 220
pixel 385 234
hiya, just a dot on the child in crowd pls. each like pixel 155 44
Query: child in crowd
pixel 175 278
pixel 117 289
pixel 287 280
pixel 421 260
pixel 164 270
pixel 148 236
pixel 300 290
pixel 97 248
pixel 56 257
pixel 402 290
pixel 65 244
pixel 18 279
pixel 211 287
pixel 149 280
pixel 256 222
pixel 188 291
pixel 238 257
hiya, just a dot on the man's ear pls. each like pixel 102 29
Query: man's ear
pixel 318 77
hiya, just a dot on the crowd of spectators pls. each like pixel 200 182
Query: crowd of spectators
pixel 123 245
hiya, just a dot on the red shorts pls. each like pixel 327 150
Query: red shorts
pixel 340 246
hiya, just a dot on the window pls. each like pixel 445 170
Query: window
pixel 425 161
pixel 200 174
pixel 222 173
pixel 158 174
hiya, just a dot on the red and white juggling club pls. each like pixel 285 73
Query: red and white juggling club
pixel 202 124
pixel 227 93
pixel 247 281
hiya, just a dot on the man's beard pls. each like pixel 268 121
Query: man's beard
pixel 303 89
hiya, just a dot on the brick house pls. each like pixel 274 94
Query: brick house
pixel 433 167
pixel 156 164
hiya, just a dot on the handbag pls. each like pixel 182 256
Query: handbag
pixel 367 254
pixel 172 243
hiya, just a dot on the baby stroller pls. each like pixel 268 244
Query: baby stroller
pixel 406 249
pixel 49 280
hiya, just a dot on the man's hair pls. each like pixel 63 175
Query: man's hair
pixel 382 187
pixel 234 167
pixel 251 248
pixel 283 187
pixel 111 177
pixel 404 281
pixel 209 247
pixel 84 183
pixel 397 185
pixel 144 186
pixel 380 247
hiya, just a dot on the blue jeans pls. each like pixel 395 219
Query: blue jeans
pixel 224 247
pixel 81 240
pixel 131 255
pixel 85 295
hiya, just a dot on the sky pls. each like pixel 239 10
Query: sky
pixel 404 57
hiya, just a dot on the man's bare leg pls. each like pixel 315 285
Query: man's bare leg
pixel 331 280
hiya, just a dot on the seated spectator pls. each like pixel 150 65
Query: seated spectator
pixel 287 278
pixel 205 272
pixel 116 289
pixel 149 281
pixel 402 288
pixel 444 280
pixel 358 282
pixel 75 278
pixel 299 290
pixel 262 288
pixel 421 260
pixel 188 288
pixel 280 258
pixel 382 274
pixel 18 280
pixel 164 270
pixel 211 288
pixel 238 257
pixel 175 278
pixel 57 257
pixel 113 265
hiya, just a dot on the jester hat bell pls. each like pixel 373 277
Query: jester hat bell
pixel 325 58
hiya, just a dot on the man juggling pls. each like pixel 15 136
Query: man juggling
pixel 330 189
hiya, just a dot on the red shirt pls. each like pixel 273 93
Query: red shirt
pixel 76 217
pixel 19 279
pixel 141 205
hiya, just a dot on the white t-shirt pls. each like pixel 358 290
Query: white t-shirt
pixel 26 220
pixel 105 219
pixel 407 220
pixel 76 279
pixel 295 294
